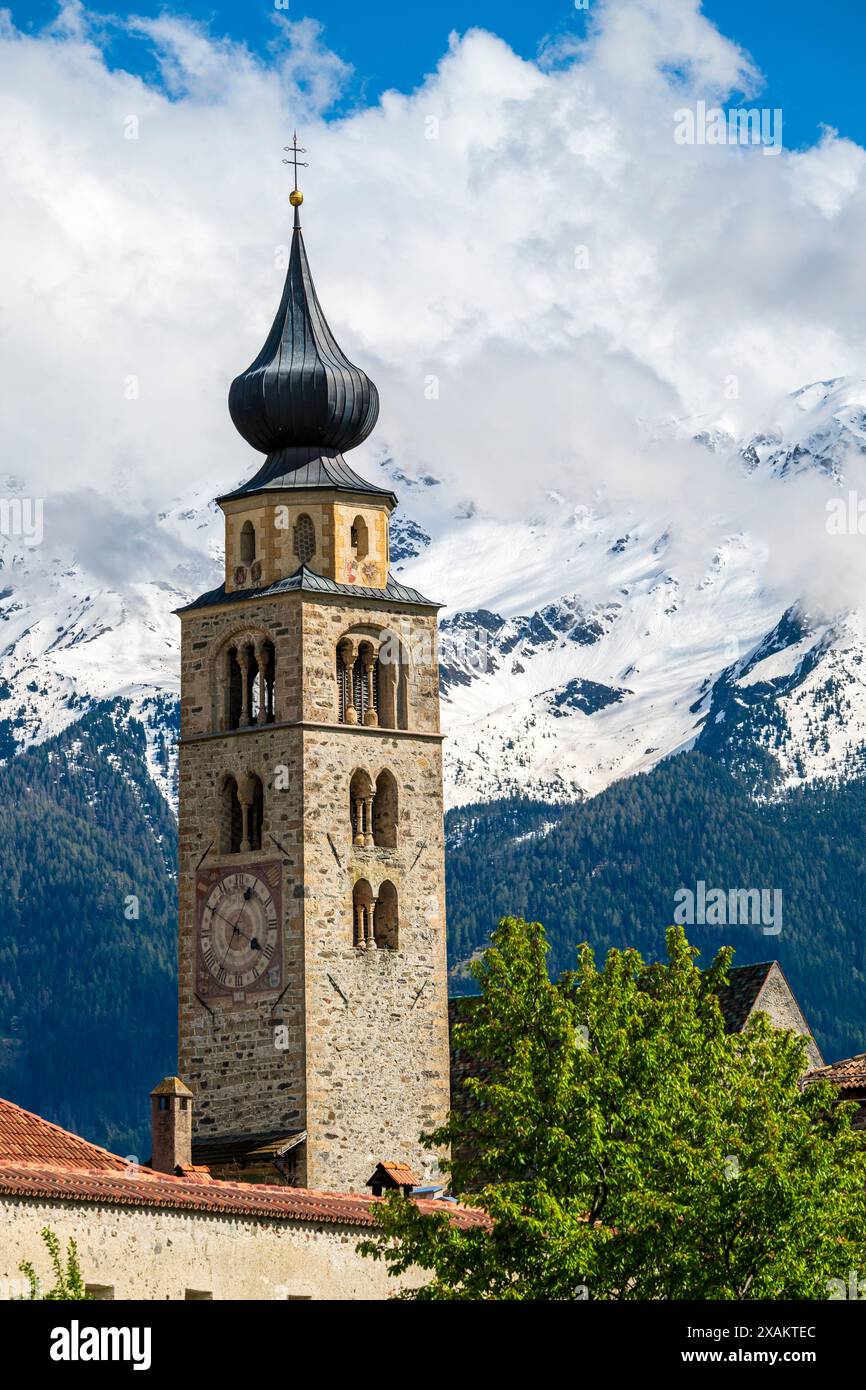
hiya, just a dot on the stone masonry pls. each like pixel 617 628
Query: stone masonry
pixel 351 1045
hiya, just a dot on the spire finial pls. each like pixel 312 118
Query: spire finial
pixel 296 197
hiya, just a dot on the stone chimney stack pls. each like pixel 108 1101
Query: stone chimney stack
pixel 171 1126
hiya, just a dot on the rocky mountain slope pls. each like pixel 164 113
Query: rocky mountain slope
pixel 574 650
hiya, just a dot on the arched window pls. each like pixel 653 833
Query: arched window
pixel 392 683
pixel 385 810
pixel 250 683
pixel 357 683
pixel 231 819
pixel 256 813
pixel 304 539
pixel 361 808
pixel 248 543
pixel 362 915
pixel 360 538
pixel 365 685
pixel 385 918
pixel 344 695
pixel 242 814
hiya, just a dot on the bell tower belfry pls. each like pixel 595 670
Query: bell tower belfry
pixel 312 971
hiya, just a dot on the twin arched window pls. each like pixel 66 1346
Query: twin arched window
pixel 375 918
pixel 357 683
pixel 372 683
pixel 373 809
pixel 250 677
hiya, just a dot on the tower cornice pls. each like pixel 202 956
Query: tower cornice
pixel 311 585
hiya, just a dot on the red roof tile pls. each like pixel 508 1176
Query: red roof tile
pixel 400 1174
pixel 28 1139
pixel 39 1159
pixel 142 1188
pixel 849 1074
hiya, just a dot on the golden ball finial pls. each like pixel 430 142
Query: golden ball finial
pixel 296 197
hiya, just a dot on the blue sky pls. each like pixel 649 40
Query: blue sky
pixel 808 53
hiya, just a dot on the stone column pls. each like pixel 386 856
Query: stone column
pixel 359 838
pixel 244 663
pixel 371 936
pixel 367 838
pixel 370 718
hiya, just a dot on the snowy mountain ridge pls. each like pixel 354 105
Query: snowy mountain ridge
pixel 573 652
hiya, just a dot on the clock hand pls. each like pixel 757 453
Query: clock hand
pixel 248 893
pixel 236 931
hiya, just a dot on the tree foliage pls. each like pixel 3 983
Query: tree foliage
pixel 626 1147
pixel 607 871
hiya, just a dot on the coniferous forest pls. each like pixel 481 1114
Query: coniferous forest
pixel 88 931
pixel 607 872
pixel 87 935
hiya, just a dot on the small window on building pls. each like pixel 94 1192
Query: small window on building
pixel 101 1293
pixel 384 810
pixel 362 915
pixel 191 1294
pixel 359 537
pixel 248 543
pixel 385 918
pixel 361 808
pixel 163 1103
pixel 304 540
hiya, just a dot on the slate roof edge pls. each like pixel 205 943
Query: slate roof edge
pixel 394 592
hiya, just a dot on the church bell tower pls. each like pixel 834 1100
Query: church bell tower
pixel 312 971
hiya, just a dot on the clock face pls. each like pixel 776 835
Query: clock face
pixel 239 932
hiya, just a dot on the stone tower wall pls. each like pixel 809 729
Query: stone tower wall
pixel 363 1058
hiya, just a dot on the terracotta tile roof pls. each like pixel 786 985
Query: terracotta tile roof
pixel 848 1075
pixel 400 1174
pixel 28 1139
pixel 141 1188
pixel 39 1159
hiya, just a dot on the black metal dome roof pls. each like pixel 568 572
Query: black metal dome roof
pixel 302 390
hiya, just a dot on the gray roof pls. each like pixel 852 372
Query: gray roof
pixel 307 581
pixel 738 998
pixel 306 469
pixel 302 388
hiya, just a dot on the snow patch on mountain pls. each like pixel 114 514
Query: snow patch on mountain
pixel 576 647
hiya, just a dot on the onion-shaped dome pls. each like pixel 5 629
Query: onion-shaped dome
pixel 302 391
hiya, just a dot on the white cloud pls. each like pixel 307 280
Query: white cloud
pixel 140 274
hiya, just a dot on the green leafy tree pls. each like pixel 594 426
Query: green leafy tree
pixel 68 1282
pixel 626 1146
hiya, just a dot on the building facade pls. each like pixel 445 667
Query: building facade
pixel 142 1233
pixel 313 1008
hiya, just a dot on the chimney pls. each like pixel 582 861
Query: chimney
pixel 390 1175
pixel 170 1126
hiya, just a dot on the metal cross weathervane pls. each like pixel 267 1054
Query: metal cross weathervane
pixel 293 150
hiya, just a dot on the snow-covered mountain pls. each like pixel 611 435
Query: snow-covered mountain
pixel 574 650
